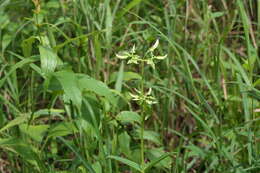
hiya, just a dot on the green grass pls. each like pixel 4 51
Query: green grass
pixel 65 103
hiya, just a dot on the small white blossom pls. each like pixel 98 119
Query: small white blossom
pixel 143 98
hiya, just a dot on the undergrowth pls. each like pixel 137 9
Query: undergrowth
pixel 111 86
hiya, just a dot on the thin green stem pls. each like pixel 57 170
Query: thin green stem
pixel 143 116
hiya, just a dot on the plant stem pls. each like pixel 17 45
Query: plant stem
pixel 143 116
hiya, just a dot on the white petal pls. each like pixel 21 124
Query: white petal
pixel 134 96
pixel 150 62
pixel 154 46
pixel 133 49
pixel 139 92
pixel 160 57
pixel 149 91
pixel 122 55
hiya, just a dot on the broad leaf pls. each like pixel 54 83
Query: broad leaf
pixel 69 83
pixel 128 117
pixel 150 136
pixel 89 84
pixel 49 59
pixel 62 129
pixel 126 76
pixel 36 132
pixel 27 46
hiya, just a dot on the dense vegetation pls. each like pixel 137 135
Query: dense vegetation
pixel 111 86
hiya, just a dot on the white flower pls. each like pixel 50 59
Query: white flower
pixel 143 98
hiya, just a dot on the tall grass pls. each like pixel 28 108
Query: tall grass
pixel 66 101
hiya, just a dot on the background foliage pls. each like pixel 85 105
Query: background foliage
pixel 64 96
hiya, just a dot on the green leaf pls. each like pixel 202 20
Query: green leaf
pixel 98 54
pixel 120 76
pixel 128 7
pixel 48 112
pixel 36 132
pixel 126 76
pixel 62 129
pixel 217 14
pixel 124 143
pixel 98 87
pixel 53 4
pixel 49 59
pixel 97 167
pixel 196 151
pixel 74 150
pixel 156 161
pixel 6 41
pixel 27 46
pixel 155 153
pixel 109 25
pixel 240 68
pixel 19 120
pixel 69 83
pixel 254 94
pixel 26 151
pixel 150 136
pixel 127 162
pixel 128 117
pixel 16 66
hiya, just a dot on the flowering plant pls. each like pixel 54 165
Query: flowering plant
pixel 133 58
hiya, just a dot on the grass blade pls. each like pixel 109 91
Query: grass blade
pixel 84 162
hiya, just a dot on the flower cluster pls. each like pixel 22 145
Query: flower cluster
pixel 144 97
pixel 133 58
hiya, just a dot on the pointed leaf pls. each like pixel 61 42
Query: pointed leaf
pixel 16 66
pixel 14 122
pixel 69 83
pixel 48 59
pixel 74 150
pixel 129 117
pixel 150 136
pixel 127 162
pixel 62 129
pixel 36 132
pixel 6 41
pixel 119 81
